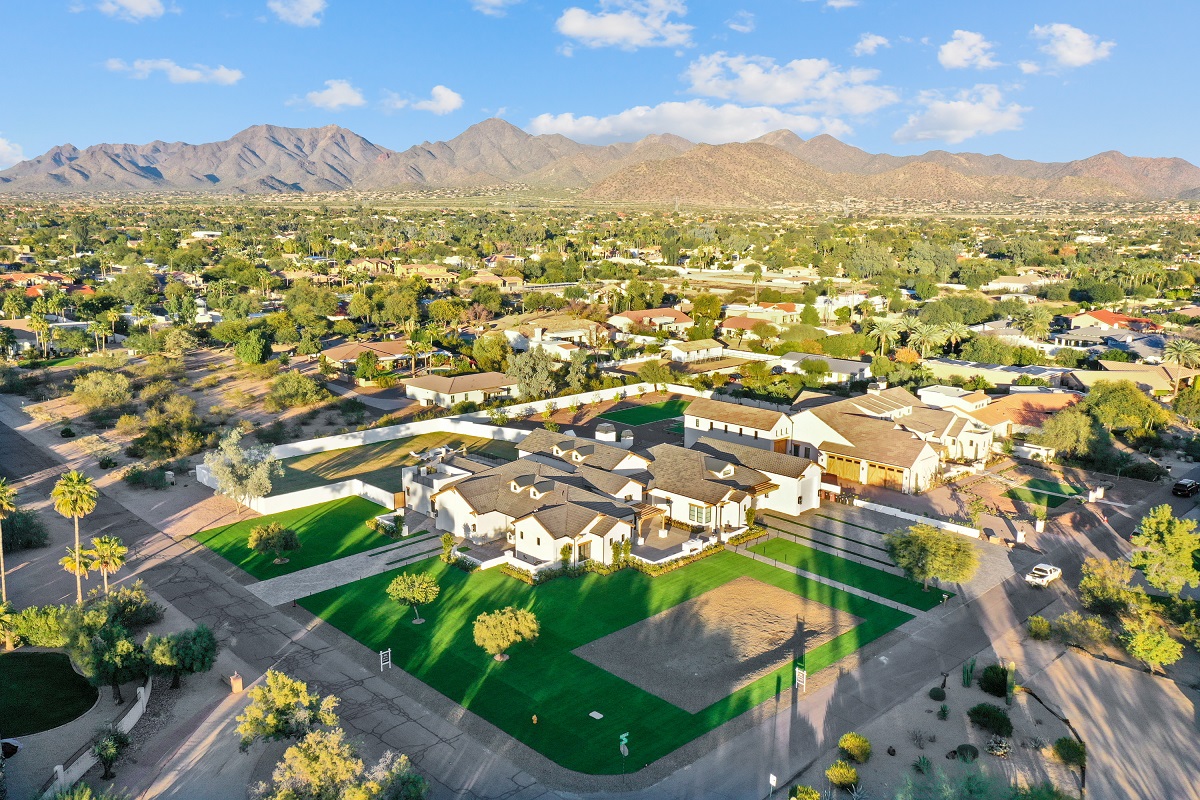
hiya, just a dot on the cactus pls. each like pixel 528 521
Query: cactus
pixel 969 673
pixel 1012 682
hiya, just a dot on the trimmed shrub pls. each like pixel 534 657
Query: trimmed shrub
pixel 24 530
pixel 1039 628
pixel 804 793
pixel 842 775
pixel 855 747
pixel 994 680
pixel 991 718
pixel 967 752
pixel 937 693
pixel 1071 751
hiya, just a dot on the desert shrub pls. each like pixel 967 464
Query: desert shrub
pixel 967 752
pixel 998 746
pixel 804 793
pixel 937 693
pixel 842 775
pixel 24 530
pixel 208 382
pixel 42 626
pixel 128 606
pixel 156 391
pixel 141 478
pixel 1071 751
pixel 292 389
pixel 274 433
pixel 922 765
pixel 1039 628
pixel 855 747
pixel 239 398
pixel 107 462
pixel 102 390
pixel 1076 630
pixel 994 680
pixel 943 712
pixel 991 718
pixel 130 423
pixel 67 433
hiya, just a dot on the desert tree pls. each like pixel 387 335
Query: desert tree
pixel 182 653
pixel 1164 546
pixel 242 473
pixel 324 765
pixel 283 708
pixel 108 747
pixel 499 630
pixel 413 590
pixel 926 553
pixel 1148 642
pixel 75 496
pixel 112 657
pixel 274 538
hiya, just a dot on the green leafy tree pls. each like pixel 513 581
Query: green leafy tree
pixel 1148 642
pixel 366 366
pixel 533 371
pixel 499 630
pixel 75 496
pixel 1122 406
pixel 81 791
pixel 182 653
pixel 1164 547
pixel 706 306
pixel 283 708
pixel 324 765
pixel 656 373
pixel 1073 433
pixel 273 538
pixel 1084 632
pixel 8 507
pixel 253 348
pixel 1107 587
pixel 413 590
pixel 242 473
pixel 491 352
pixel 108 748
pixel 926 553
pixel 112 657
pixel 578 371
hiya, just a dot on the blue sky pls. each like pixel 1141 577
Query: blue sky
pixel 1051 80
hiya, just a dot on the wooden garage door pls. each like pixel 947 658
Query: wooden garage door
pixel 847 468
pixel 888 477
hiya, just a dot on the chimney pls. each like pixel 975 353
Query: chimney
pixel 538 333
pixel 606 432
pixel 876 387
pixel 627 440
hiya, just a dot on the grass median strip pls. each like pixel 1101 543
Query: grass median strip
pixel 860 576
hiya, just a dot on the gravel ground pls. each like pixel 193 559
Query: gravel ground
pixel 703 650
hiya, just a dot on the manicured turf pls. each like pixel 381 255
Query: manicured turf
pixel 640 415
pixel 379 464
pixel 546 679
pixel 327 532
pixel 1036 498
pixel 40 691
pixel 1051 486
pixel 860 576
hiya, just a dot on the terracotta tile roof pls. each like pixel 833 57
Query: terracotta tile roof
pixel 1030 409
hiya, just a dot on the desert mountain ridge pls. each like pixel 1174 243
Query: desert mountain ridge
pixel 779 167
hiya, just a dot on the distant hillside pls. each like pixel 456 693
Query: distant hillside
pixel 779 167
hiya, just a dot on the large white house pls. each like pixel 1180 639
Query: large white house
pixel 439 390
pixel 839 370
pixel 732 422
pixel 659 319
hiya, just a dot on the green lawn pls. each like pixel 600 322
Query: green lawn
pixel 1051 486
pixel 65 361
pixel 379 464
pixel 327 532
pixel 546 679
pixel 40 692
pixel 640 415
pixel 1036 498
pixel 860 576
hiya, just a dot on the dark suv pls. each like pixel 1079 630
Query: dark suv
pixel 1185 488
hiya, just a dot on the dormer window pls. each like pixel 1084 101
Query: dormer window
pixel 534 493
pixel 576 457
pixel 557 450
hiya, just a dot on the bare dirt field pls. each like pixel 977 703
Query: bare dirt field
pixel 705 649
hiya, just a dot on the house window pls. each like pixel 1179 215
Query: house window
pixel 807 451
pixel 539 541
pixel 474 528
pixel 521 535
pixel 699 514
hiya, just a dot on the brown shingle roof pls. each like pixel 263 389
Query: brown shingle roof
pixel 734 414
pixel 1030 409
pixel 754 457
pixel 596 454
pixel 480 381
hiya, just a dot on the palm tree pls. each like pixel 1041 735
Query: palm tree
pixel 76 563
pixel 956 333
pixel 75 496
pixel 8 504
pixel 8 624
pixel 8 341
pixel 886 332
pixel 107 555
pixel 1182 353
pixel 1035 322
pixel 925 336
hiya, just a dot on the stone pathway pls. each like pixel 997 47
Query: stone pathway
pixel 286 588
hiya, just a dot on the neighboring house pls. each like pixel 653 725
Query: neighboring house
pixel 437 390
pixel 485 277
pixel 740 327
pixel 1148 347
pixel 585 452
pixel 1016 283
pixel 861 440
pixel 1110 320
pixel 798 479
pixel 387 351
pixel 1086 337
pixel 26 339
pixel 372 266
pixel 777 314
pixel 559 351
pixel 731 422
pixel 1156 380
pixel 952 397
pixel 996 374
pixel 841 370
pixel 958 437
pixel 658 319
pixel 435 274
pixel 699 350
pixel 1024 412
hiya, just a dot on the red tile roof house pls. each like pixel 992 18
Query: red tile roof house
pixel 1110 320
pixel 659 319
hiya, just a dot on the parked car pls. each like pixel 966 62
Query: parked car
pixel 1185 488
pixel 1043 575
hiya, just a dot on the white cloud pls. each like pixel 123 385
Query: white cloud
pixel 971 112
pixel 694 119
pixel 1070 47
pixel 10 153
pixel 837 4
pixel 336 95
pixel 627 24
pixel 132 10
pixel 812 85
pixel 305 13
pixel 442 100
pixel 1029 67
pixel 967 49
pixel 143 68
pixel 869 43
pixel 493 8
pixel 742 22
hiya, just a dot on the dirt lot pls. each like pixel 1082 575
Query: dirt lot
pixel 705 649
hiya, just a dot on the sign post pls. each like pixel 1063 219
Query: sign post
pixel 624 754
pixel 802 679
pixel 773 781
pixel 385 659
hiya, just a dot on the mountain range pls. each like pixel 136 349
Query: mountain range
pixel 779 167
